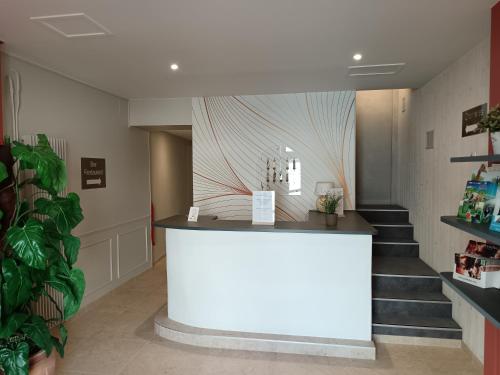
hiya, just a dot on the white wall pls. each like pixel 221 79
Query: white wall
pixel 171 181
pixel 115 232
pixel 428 184
pixel 374 126
pixel 160 111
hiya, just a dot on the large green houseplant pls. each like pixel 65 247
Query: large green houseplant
pixel 37 250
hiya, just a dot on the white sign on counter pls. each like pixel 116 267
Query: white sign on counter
pixel 263 207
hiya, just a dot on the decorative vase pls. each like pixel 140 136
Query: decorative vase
pixel 331 220
pixel 319 203
pixel 495 142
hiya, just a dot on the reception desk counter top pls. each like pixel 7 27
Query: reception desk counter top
pixel 351 223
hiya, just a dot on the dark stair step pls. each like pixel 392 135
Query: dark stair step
pixel 389 213
pixel 400 230
pixel 402 266
pixel 406 283
pixel 403 274
pixel 406 307
pixel 416 326
pixel 410 295
pixel 395 247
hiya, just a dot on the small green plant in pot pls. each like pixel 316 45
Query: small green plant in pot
pixel 37 250
pixel 330 204
pixel 491 122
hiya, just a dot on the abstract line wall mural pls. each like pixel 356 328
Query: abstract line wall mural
pixel 235 136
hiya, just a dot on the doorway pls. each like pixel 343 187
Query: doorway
pixel 171 166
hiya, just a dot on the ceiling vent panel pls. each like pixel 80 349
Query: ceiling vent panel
pixel 375 70
pixel 73 25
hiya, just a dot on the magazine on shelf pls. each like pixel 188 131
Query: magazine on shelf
pixel 495 218
pixel 479 271
pixel 482 249
pixel 478 203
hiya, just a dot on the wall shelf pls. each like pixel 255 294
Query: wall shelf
pixel 484 300
pixel 465 159
pixel 479 230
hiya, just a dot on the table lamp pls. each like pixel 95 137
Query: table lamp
pixel 322 189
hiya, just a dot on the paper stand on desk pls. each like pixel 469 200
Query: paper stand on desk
pixel 263 207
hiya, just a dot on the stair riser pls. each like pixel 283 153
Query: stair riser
pixel 411 284
pixel 396 232
pixel 417 332
pixel 385 216
pixel 395 250
pixel 436 309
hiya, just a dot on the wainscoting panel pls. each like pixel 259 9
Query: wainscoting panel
pixel 233 136
pixel 111 256
pixel 96 261
pixel 132 250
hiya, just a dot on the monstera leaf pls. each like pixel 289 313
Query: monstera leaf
pixel 60 342
pixel 12 324
pixel 3 172
pixel 66 213
pixel 15 362
pixel 28 243
pixel 37 330
pixel 71 283
pixel 71 248
pixel 49 168
pixel 16 288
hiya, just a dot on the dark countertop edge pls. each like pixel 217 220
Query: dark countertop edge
pixel 351 220
pixel 461 288
pixel 268 229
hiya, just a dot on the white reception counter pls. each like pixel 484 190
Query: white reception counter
pixel 294 287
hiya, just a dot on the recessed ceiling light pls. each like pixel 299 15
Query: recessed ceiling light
pixel 357 56
pixel 174 67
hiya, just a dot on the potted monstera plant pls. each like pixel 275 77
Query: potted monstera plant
pixel 37 251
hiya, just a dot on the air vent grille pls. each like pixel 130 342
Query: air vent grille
pixel 73 25
pixel 375 70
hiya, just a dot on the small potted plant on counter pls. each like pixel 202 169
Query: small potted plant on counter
pixel 37 254
pixel 330 204
pixel 491 122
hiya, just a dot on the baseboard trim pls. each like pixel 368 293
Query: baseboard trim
pixel 210 338
pixel 418 341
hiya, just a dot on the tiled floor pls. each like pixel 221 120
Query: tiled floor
pixel 115 336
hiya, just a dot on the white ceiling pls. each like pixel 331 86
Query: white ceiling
pixel 228 47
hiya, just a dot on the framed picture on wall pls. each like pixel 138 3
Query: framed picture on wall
pixel 471 118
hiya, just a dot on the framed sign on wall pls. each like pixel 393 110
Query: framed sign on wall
pixel 93 173
pixel 471 118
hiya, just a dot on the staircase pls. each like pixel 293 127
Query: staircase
pixel 407 297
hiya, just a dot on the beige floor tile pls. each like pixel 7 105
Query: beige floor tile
pixel 114 335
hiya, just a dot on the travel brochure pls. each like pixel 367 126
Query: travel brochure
pixel 479 265
pixel 478 203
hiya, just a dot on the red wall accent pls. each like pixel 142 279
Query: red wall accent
pixel 495 56
pixel 491 333
pixel 491 349
pixel 1 96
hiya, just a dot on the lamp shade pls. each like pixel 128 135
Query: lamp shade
pixel 323 188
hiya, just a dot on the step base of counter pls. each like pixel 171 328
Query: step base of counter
pixel 209 338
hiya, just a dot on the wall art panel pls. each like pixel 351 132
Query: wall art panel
pixel 236 137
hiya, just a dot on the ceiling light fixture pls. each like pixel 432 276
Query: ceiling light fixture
pixel 357 56
pixel 174 67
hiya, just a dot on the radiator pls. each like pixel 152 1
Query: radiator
pixel 44 306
